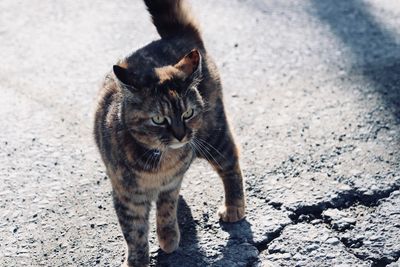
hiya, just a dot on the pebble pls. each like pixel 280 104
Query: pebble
pixel 312 247
pixel 332 241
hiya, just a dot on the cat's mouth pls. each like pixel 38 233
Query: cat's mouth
pixel 177 145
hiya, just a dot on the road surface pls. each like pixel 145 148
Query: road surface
pixel 313 92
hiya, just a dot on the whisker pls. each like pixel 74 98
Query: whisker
pixel 154 161
pixel 204 148
pixel 160 160
pixel 197 149
pixel 208 153
pixel 148 161
pixel 211 146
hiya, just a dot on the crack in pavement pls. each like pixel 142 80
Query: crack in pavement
pixel 343 200
pixel 314 214
pixel 263 245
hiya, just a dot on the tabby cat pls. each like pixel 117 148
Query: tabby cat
pixel 159 109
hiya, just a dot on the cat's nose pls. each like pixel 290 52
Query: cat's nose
pixel 179 135
pixel 178 131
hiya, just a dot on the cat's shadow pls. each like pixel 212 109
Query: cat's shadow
pixel 190 253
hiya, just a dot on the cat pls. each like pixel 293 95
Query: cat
pixel 159 109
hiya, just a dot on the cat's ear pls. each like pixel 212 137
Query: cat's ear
pixel 190 63
pixel 123 76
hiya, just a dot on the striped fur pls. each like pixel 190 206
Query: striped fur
pixel 145 161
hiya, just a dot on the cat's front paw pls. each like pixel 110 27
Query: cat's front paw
pixel 168 238
pixel 231 213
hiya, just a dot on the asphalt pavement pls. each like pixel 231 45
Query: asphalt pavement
pixel 312 89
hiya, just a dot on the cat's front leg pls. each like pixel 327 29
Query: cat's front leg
pixel 167 223
pixel 220 150
pixel 234 208
pixel 133 217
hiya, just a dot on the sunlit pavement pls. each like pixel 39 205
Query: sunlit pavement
pixel 313 92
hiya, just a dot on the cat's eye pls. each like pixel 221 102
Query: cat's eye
pixel 159 120
pixel 188 114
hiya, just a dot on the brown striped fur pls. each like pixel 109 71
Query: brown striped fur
pixel 145 159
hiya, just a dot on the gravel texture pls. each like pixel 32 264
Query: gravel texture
pixel 313 91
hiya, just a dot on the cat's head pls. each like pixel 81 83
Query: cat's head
pixel 163 108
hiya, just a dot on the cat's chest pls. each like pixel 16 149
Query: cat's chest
pixel 167 174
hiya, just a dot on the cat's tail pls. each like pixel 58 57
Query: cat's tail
pixel 173 18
